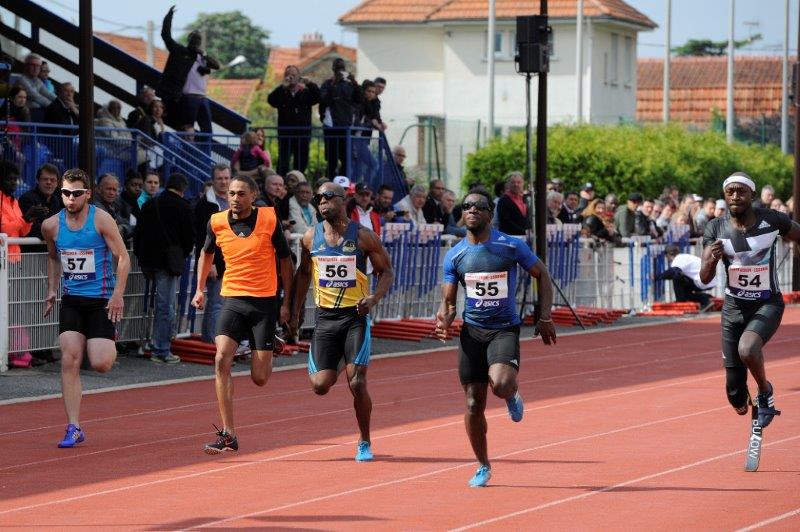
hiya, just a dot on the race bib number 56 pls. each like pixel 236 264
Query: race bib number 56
pixel 750 282
pixel 337 272
pixel 486 289
pixel 78 264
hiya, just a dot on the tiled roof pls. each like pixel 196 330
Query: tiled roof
pixel 410 11
pixel 699 84
pixel 135 46
pixel 236 94
pixel 345 52
pixel 280 58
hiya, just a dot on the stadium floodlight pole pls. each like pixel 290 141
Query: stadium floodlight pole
pixel 667 61
pixel 785 81
pixel 540 190
pixel 86 159
pixel 729 117
pixel 796 180
pixel 490 70
pixel 579 64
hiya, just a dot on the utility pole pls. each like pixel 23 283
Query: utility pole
pixel 149 53
pixel 540 189
pixel 490 70
pixel 785 81
pixel 86 158
pixel 579 64
pixel 730 116
pixel 667 61
pixel 796 181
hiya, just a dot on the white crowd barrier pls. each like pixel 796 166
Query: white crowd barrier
pixel 590 274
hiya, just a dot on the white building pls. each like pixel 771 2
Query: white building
pixel 433 55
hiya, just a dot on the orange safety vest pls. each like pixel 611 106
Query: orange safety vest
pixel 250 267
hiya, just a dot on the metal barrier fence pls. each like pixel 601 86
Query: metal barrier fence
pixel 590 275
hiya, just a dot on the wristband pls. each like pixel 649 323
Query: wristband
pixel 545 321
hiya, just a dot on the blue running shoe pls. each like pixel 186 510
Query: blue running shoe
pixel 481 478
pixel 516 408
pixel 73 437
pixel 364 452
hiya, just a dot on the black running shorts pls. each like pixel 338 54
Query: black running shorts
pixel 480 348
pixel 763 318
pixel 339 335
pixel 251 318
pixel 86 315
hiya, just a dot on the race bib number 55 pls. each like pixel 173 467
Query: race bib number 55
pixel 337 272
pixel 749 282
pixel 78 264
pixel 486 289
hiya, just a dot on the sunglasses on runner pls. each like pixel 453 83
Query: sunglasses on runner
pixel 77 193
pixel 480 205
pixel 328 195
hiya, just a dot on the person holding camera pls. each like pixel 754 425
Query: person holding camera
pixel 339 96
pixel 185 76
pixel 293 100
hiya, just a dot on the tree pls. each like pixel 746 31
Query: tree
pixel 701 47
pixel 230 34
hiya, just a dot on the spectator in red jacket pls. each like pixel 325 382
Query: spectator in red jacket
pixel 360 209
pixel 12 221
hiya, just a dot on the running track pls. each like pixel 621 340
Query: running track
pixel 624 429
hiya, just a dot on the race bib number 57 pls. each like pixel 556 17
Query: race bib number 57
pixel 78 264
pixel 486 289
pixel 337 272
pixel 749 282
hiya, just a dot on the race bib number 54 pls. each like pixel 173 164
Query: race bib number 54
pixel 750 282
pixel 78 264
pixel 486 289
pixel 337 272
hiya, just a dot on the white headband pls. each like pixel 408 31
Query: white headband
pixel 739 178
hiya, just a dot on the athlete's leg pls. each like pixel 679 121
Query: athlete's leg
pixel 102 353
pixel 223 361
pixel 736 388
pixel 362 402
pixel 261 366
pixel 503 379
pixel 321 381
pixel 750 351
pixel 475 420
pixel 72 345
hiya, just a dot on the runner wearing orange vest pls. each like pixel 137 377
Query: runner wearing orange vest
pixel 250 239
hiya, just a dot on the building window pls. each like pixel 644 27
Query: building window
pixel 614 63
pixel 628 79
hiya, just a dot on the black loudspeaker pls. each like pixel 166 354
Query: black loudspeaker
pixel 533 37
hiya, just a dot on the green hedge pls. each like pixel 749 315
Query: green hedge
pixel 630 158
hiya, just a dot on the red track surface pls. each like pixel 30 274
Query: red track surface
pixel 625 429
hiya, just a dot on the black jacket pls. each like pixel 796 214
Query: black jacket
pixel 57 113
pixel 294 109
pixel 121 212
pixel 35 197
pixel 202 214
pixel 179 61
pixel 569 217
pixel 133 203
pixel 644 226
pixel 433 212
pixel 150 237
pixel 512 221
pixel 597 228
pixel 341 96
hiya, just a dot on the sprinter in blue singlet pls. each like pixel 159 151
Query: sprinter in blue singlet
pixel 81 242
pixel 485 263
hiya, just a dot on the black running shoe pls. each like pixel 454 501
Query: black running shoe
pixel 766 407
pixel 225 442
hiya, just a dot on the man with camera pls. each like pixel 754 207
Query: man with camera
pixel 293 99
pixel 339 96
pixel 183 83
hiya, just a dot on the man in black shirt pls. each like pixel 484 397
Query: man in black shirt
pixel 293 99
pixel 45 198
pixel 339 96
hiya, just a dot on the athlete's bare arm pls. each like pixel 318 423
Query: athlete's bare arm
pixel 287 267
pixel 50 233
pixel 203 269
pixel 711 256
pixel 447 310
pixel 302 277
pixel 545 323
pixel 108 229
pixel 371 245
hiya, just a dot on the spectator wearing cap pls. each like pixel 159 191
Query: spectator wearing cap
pixel 587 195
pixel 410 207
pixel 625 215
pixel 720 208
pixel 704 215
pixel 512 211
pixel 570 213
pixel 433 204
pixel 301 211
pixel 684 272
pixel 360 210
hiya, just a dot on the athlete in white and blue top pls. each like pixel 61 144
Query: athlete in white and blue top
pixel 81 242
pixel 486 263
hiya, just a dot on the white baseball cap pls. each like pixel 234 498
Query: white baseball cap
pixel 342 181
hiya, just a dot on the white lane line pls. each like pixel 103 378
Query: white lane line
pixel 771 520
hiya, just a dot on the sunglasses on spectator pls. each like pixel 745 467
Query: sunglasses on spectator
pixel 480 205
pixel 328 195
pixel 76 193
